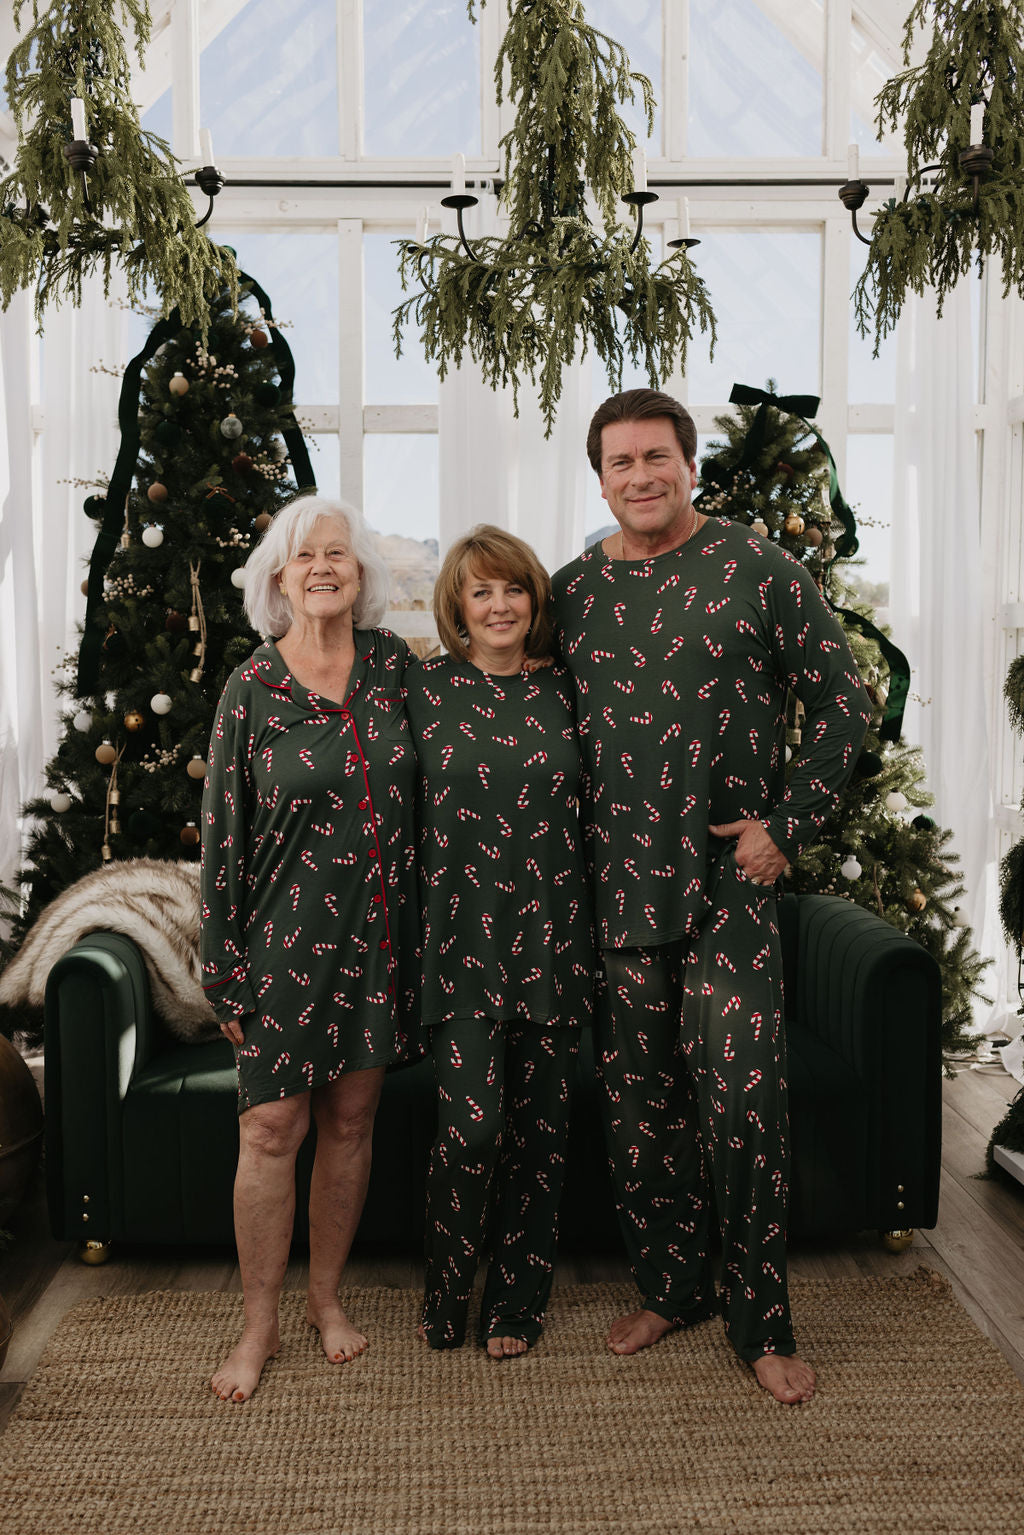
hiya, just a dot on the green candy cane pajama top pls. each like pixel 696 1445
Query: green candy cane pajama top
pixel 682 664
pixel 310 909
pixel 508 976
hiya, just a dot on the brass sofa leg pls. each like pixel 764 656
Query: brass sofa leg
pixel 94 1252
pixel 896 1241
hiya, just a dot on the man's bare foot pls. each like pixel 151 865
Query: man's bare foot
pixel 629 1334
pixel 239 1375
pixel 786 1376
pixel 506 1348
pixel 341 1342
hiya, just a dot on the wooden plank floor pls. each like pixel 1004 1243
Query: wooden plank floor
pixel 978 1245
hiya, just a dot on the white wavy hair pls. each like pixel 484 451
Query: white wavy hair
pixel 268 608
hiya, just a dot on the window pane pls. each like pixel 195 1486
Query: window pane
pixel 409 380
pixel 269 81
pixel 869 71
pixel 299 274
pixel 754 82
pixel 401 500
pixel 868 489
pixel 158 119
pixel 636 25
pixel 765 287
pixel 872 379
pixel 325 458
pixel 421 79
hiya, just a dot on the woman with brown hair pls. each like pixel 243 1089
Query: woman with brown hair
pixel 508 946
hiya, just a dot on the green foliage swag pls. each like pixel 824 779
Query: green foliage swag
pixel 527 305
pixel 143 218
pixel 901 859
pixel 934 237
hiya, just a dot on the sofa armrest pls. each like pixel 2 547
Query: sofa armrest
pixel 99 1030
pixel 874 996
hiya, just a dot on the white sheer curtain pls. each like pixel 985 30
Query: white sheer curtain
pixel 497 468
pixel 45 537
pixel 937 583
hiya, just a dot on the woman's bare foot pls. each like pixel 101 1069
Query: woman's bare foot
pixel 239 1375
pixel 629 1334
pixel 341 1342
pixel 506 1348
pixel 786 1376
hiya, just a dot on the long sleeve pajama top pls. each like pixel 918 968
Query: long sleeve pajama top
pixel 309 916
pixel 682 664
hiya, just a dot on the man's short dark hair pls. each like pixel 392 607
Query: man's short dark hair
pixel 641 405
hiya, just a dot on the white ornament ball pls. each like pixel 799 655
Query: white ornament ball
pixel 231 426
pixel 850 868
pixel 959 917
pixel 789 754
pixel 152 536
pixel 83 720
pixel 160 703
pixel 896 801
pixel 238 578
pixel 60 802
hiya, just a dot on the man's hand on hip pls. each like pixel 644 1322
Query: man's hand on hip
pixel 756 853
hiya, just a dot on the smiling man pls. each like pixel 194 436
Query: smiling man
pixel 684 634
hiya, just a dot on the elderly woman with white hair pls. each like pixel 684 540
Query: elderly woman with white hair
pixel 309 905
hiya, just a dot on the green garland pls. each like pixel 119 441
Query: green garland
pixel 143 218
pixel 527 305
pixel 934 238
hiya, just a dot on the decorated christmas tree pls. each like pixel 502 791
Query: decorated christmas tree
pixel 207 434
pixel 774 472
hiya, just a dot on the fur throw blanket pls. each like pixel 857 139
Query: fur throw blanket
pixel 156 903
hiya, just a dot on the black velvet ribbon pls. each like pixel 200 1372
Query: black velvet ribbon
pixel 90 650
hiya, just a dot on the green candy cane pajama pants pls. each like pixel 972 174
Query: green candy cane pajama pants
pixel 503 1123
pixel 691 1052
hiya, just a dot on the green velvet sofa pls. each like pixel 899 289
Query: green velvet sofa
pixel 141 1131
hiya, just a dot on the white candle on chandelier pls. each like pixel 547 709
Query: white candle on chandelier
pixel 422 225
pixel 78 130
pixel 206 146
pixel 639 170
pixel 977 123
pixel 899 190
pixel 458 175
pixel 684 218
pixel 852 163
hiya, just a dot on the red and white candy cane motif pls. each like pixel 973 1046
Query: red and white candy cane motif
pixel 693 885
pixel 320 949
pixel 476 1113
pixel 763 588
pixel 721 918
pixel 651 915
pixel 627 763
pixel 470 874
pixel 744 626
pixel 606 715
pixel 471 962
pixel 724 716
pixel 270 1022
pixel 690 594
pixel 672 733
pixel 619 609
pixel 306 1014
pixel 716 650
pixel 292 938
pixel 672 580
pixel 629 686
pixel 761 957
pixel 325 831
pixel 284 1059
pixel 487 923
pixel 773 1230
pixel 533 866
pixel 656 621
pixel 668 686
pixel 734 782
pixel 465 814
pixel 306 757
pixel 666 776
pixel 485 710
pixel 694 753
pixel 294 892
pixel 647 718
pixel 268 931
pixel 467 730
pixel 730 570
pixel 728 1049
pixel 300 979
pixel 754 1118
pixel 724 962
pixel 540 756
pixel 531 720
pixel 543 827
pixel 630 867
pixel 753 1079
pixel 639 659
pixel 704 691
pixel 767 1268
pixel 677 644
pixel 602 655
pixel 307 859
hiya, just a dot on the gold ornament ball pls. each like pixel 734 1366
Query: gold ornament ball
pixel 178 384
pixel 105 753
pixel 85 587
pixel 794 523
pixel 189 835
pixel 262 522
pixel 157 492
pixel 814 537
pixel 196 768
pixel 757 526
pixel 918 901
pixel 134 720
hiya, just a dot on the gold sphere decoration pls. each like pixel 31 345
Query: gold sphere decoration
pixel 106 753
pixel 794 523
pixel 134 720
pixel 262 522
pixel 814 536
pixel 189 835
pixel 196 768
pixel 94 1252
pixel 179 384
pixel 757 526
pixel 157 492
pixel 918 901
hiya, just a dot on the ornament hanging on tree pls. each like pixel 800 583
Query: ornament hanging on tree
pixel 152 536
pixel 918 901
pixel 134 720
pixel 258 338
pixel 82 721
pixel 161 703
pixel 157 492
pixel 896 802
pixel 794 524
pixel 196 768
pixel 262 522
pixel 105 753
pixel 60 801
pixel 241 462
pixel 179 385
pixel 850 869
pixel 189 835
pixel 238 577
pixel 176 623
pixel 757 526
pixel 231 427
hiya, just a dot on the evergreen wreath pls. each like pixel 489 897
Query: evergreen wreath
pixel 524 305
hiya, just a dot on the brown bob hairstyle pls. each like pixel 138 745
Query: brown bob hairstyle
pixel 640 405
pixel 491 553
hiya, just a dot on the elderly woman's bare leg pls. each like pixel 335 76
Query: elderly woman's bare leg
pixel 270 1135
pixel 344 1112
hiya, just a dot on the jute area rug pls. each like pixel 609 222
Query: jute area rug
pixel 918 1425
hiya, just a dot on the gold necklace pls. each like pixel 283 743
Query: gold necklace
pixel 691 531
